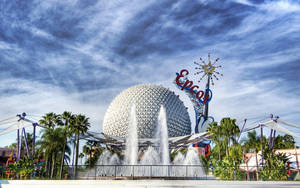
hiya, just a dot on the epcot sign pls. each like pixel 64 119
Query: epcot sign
pixel 187 85
pixel 200 98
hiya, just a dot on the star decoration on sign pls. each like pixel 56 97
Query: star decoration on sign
pixel 208 69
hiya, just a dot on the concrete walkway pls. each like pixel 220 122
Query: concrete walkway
pixel 141 184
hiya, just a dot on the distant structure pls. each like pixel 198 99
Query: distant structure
pixel 5 153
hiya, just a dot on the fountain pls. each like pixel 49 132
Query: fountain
pixel 131 151
pixel 154 161
pixel 150 157
pixel 162 136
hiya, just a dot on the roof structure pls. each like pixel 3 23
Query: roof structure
pixel 174 142
pixel 277 124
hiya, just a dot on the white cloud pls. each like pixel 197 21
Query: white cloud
pixel 37 99
pixel 244 2
pixel 281 7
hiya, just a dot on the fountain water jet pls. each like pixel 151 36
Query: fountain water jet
pixel 179 159
pixel 162 136
pixel 131 151
pixel 150 157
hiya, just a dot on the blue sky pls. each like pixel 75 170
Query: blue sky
pixel 78 55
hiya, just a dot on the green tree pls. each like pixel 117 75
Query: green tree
pixel 217 138
pixel 51 144
pixel 275 165
pixel 251 142
pixel 284 142
pixel 67 120
pixel 89 149
pixel 80 127
pixel 50 120
pixel 226 153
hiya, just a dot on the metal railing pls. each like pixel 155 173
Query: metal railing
pixel 140 171
pixel 136 172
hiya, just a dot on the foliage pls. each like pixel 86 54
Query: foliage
pixel 205 162
pixel 275 165
pixel 226 170
pixel 80 127
pixel 284 142
pixel 226 155
pixel 22 169
pixel 52 147
pixel 252 142
pixel 67 119
pixel 93 150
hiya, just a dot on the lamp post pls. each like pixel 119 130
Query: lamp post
pixel 206 69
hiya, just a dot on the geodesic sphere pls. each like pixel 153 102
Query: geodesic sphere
pixel 148 100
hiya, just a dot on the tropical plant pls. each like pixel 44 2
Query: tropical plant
pixel 226 154
pixel 90 149
pixel 80 127
pixel 67 119
pixel 252 142
pixel 284 142
pixel 50 120
pixel 275 165
pixel 22 169
pixel 205 162
pixel 51 144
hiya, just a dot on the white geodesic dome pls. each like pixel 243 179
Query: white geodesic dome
pixel 148 100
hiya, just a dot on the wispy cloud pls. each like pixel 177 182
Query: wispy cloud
pixel 78 55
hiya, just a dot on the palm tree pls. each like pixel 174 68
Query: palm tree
pixel 50 120
pixel 88 149
pixel 216 135
pixel 230 131
pixel 284 142
pixel 224 135
pixel 80 126
pixel 93 150
pixel 67 120
pixel 51 144
pixel 252 142
pixel 276 167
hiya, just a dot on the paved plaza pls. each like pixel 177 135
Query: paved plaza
pixel 142 184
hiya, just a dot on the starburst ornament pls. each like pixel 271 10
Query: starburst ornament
pixel 208 69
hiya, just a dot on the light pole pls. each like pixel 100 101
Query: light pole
pixel 206 69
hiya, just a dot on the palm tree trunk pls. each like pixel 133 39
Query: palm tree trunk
pixel 219 149
pixel 227 148
pixel 53 165
pixel 48 171
pixel 62 159
pixel 47 166
pixel 77 151
pixel 55 168
pixel 73 153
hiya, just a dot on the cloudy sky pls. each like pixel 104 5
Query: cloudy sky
pixel 78 55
